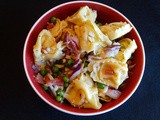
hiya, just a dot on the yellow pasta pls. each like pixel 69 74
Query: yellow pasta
pixel 116 29
pixel 82 15
pixel 109 71
pixel 83 93
pixel 47 49
pixel 128 47
pixel 56 31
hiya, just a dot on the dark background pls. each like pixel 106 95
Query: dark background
pixel 18 101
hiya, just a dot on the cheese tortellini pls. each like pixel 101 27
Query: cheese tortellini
pixel 116 29
pixel 56 31
pixel 128 47
pixel 46 49
pixel 110 72
pixel 82 15
pixel 83 93
pixel 90 36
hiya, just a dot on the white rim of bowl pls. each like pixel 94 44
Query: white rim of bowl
pixel 67 111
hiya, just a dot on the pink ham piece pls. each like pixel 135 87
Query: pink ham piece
pixel 39 78
pixel 49 80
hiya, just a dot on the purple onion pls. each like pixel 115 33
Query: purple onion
pixel 35 68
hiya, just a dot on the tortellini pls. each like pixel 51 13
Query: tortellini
pixel 128 47
pixel 102 94
pixel 82 15
pixel 56 31
pixel 90 36
pixel 116 29
pixel 83 93
pixel 46 49
pixel 110 72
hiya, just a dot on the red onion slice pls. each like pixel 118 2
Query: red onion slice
pixel 112 51
pixel 65 40
pixel 35 68
pixel 76 72
pixel 130 67
pixel 71 42
pixel 76 63
pixel 90 58
pixel 113 93
pixel 112 47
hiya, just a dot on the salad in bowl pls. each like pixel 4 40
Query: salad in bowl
pixel 83 61
pixel 84 58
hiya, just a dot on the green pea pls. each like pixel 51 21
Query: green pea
pixel 83 59
pixel 45 87
pixel 63 75
pixel 66 64
pixel 53 19
pixel 100 24
pixel 88 72
pixel 59 61
pixel 55 75
pixel 66 79
pixel 86 64
pixel 100 85
pixel 60 92
pixel 59 98
pixel 55 69
pixel 96 22
pixel 43 72
pixel 70 62
pixel 66 84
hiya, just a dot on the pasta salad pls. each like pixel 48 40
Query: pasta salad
pixel 83 61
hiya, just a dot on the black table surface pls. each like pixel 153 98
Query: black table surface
pixel 18 101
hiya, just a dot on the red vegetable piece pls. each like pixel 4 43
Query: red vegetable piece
pixel 109 71
pixel 50 25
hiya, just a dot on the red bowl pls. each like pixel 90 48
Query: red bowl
pixel 105 14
